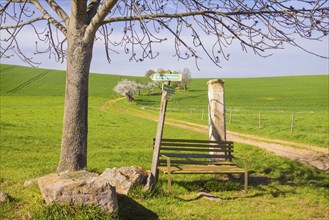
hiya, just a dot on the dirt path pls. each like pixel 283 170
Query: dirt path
pixel 110 102
pixel 312 155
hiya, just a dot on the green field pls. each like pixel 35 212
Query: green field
pixel 275 99
pixel 31 120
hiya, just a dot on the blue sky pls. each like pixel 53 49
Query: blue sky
pixel 288 62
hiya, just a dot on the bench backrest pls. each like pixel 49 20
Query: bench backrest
pixel 184 151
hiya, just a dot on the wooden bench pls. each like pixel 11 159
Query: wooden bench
pixel 181 156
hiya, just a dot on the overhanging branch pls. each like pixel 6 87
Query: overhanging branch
pixel 22 24
pixel 97 19
pixel 92 8
pixel 46 15
pixel 59 11
pixel 203 12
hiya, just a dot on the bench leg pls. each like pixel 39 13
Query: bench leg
pixel 246 176
pixel 169 182
pixel 246 182
pixel 169 174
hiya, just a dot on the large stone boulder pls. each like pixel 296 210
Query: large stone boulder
pixel 125 178
pixel 79 187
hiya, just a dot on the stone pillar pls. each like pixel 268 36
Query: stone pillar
pixel 216 110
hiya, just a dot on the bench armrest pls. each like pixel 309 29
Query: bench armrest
pixel 169 171
pixel 241 158
pixel 163 155
pixel 168 162
pixel 245 162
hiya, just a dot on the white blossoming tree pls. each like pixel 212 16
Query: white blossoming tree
pixel 127 88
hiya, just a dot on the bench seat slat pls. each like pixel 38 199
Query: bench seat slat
pixel 181 169
pixel 175 162
pixel 196 155
pixel 225 146
pixel 163 140
pixel 197 149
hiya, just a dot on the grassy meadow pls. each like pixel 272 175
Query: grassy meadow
pixel 31 120
pixel 275 99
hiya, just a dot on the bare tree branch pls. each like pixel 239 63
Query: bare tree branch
pixel 48 17
pixel 92 8
pixel 22 1
pixel 99 17
pixel 204 12
pixel 9 41
pixel 60 12
pixel 22 24
pixel 258 25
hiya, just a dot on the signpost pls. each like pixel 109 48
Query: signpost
pixel 166 77
pixel 166 90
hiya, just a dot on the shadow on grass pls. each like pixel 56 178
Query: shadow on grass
pixel 154 94
pixel 144 102
pixel 221 183
pixel 294 173
pixel 261 187
pixel 209 185
pixel 265 181
pixel 130 209
pixel 189 97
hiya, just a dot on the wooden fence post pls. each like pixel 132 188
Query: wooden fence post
pixel 230 120
pixel 292 122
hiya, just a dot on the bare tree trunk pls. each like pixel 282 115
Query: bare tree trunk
pixel 75 122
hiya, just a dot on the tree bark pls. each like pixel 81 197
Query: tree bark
pixel 75 122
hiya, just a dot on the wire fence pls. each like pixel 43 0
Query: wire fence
pixel 287 120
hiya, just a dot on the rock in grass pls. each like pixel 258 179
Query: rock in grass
pixel 30 182
pixel 3 197
pixel 79 188
pixel 126 178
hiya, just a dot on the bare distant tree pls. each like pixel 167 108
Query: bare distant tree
pixel 149 73
pixel 150 86
pixel 69 33
pixel 186 78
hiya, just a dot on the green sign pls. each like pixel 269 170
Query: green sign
pixel 166 77
pixel 169 89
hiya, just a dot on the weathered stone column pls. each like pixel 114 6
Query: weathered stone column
pixel 216 110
